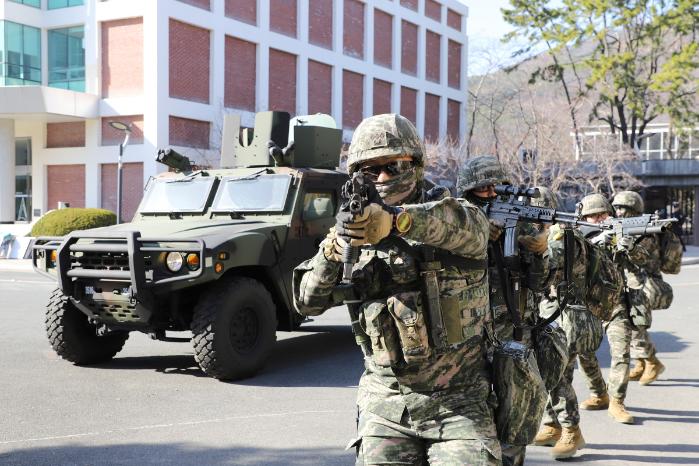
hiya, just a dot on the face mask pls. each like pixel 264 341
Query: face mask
pixel 398 189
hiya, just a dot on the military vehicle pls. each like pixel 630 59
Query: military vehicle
pixel 211 251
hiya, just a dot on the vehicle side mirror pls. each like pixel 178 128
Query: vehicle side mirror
pixel 320 207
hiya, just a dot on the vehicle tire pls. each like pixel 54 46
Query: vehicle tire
pixel 234 328
pixel 74 338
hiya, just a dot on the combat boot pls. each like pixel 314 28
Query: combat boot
pixel 638 369
pixel 618 412
pixel 570 442
pixel 653 369
pixel 547 436
pixel 596 403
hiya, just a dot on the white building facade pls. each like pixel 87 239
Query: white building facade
pixel 172 68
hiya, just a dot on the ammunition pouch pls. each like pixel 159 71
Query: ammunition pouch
pixel 406 309
pixel 381 330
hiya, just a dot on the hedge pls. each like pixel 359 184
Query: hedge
pixel 62 221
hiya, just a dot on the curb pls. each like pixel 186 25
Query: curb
pixel 690 261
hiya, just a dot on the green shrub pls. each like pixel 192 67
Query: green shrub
pixel 62 221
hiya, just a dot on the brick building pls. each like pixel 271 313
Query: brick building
pixel 172 68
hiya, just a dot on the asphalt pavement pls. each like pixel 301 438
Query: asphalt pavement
pixel 151 405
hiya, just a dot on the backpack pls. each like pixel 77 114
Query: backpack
pixel 604 283
pixel 670 252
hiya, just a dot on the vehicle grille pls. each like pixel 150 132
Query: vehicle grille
pixel 103 261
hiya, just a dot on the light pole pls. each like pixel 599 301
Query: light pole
pixel 119 126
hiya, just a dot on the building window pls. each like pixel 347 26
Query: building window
pixel 20 54
pixel 34 3
pixel 23 179
pixel 67 58
pixel 54 4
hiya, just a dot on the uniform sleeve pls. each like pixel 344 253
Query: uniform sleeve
pixel 645 251
pixel 313 283
pixel 450 224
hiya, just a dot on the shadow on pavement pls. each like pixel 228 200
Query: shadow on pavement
pixel 634 458
pixel 666 342
pixel 173 453
pixel 309 358
pixel 170 364
pixel 660 448
pixel 312 359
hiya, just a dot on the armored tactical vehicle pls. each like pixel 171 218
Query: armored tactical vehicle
pixel 211 251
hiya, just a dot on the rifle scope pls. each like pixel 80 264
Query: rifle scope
pixel 509 190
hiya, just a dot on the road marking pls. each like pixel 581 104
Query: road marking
pixel 174 424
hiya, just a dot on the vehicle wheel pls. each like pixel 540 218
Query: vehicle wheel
pixel 74 338
pixel 234 328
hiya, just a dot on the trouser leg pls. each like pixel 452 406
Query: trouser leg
pixel 589 366
pixel 467 452
pixel 619 336
pixel 513 455
pixel 391 450
pixel 564 399
pixel 642 346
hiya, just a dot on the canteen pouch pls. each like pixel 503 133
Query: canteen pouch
pixel 409 318
pixel 381 330
pixel 670 254
pixel 658 292
pixel 520 392
pixel 583 331
pixel 551 348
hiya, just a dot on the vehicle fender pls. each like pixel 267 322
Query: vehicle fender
pixel 253 248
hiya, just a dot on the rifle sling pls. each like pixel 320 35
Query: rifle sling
pixel 495 249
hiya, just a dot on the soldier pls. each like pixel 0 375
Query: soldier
pixel 645 266
pixel 561 423
pixel 596 209
pixel 425 395
pixel 476 183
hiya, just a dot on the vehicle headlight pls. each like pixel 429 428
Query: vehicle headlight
pixel 174 261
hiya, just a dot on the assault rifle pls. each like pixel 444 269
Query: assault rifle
pixel 357 193
pixel 646 224
pixel 514 205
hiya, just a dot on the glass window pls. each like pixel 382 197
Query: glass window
pixel 53 4
pixel 253 194
pixel 34 3
pixel 20 54
pixel 177 195
pixel 23 152
pixel 67 58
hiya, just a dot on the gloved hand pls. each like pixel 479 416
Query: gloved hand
pixel 625 243
pixel 371 227
pixel 333 247
pixel 603 238
pixel 496 228
pixel 537 244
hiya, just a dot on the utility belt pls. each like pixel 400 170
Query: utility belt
pixel 410 326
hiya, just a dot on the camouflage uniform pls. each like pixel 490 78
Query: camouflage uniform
pixel 644 278
pixel 419 401
pixel 620 327
pixel 562 409
pixel 478 172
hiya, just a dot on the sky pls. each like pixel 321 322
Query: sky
pixel 485 28
pixel 485 20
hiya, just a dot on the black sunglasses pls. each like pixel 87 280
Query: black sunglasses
pixel 392 168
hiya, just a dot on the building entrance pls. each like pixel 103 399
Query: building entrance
pixel 23 179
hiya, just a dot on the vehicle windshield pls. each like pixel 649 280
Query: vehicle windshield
pixel 177 195
pixel 266 193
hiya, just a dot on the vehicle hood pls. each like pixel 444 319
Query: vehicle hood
pixel 213 232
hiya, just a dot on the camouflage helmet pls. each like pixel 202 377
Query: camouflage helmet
pixel 595 204
pixel 547 198
pixel 629 199
pixel 478 172
pixel 384 135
